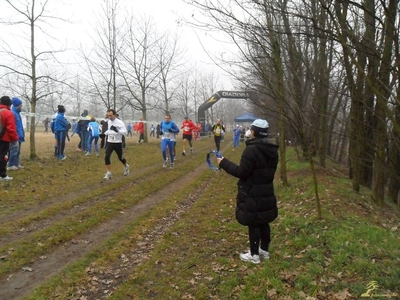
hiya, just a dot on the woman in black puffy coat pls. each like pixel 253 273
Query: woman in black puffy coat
pixel 256 204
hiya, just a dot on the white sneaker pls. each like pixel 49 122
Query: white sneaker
pixel 255 259
pixel 7 178
pixel 12 168
pixel 263 254
pixel 21 167
pixel 171 166
pixel 126 169
pixel 107 176
pixel 97 154
pixel 165 164
pixel 88 154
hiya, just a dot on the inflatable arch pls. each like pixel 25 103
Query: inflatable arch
pixel 201 113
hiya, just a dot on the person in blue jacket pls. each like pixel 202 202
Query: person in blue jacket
pixel 168 130
pixel 236 136
pixel 15 147
pixel 94 132
pixel 82 129
pixel 61 126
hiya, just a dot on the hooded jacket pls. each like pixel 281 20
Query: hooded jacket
pixel 18 123
pixel 256 203
pixel 8 121
pixel 60 123
pixel 84 122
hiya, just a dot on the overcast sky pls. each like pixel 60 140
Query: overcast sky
pixel 165 14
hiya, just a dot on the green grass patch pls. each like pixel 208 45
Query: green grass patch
pixel 195 256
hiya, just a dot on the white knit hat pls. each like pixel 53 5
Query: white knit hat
pixel 260 123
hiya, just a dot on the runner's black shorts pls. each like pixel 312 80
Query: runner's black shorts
pixel 187 136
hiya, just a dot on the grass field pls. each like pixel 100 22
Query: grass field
pixel 171 234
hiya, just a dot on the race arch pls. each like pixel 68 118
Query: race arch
pixel 201 113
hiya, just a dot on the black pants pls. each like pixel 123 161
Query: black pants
pixel 102 140
pixel 217 140
pixel 259 233
pixel 117 147
pixel 4 148
pixel 141 137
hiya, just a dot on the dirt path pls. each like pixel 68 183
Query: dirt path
pixel 21 229
pixel 21 283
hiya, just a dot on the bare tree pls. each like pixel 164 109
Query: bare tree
pixel 102 60
pixel 368 53
pixel 139 66
pixel 184 94
pixel 170 59
pixel 33 16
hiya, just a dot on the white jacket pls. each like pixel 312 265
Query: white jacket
pixel 116 137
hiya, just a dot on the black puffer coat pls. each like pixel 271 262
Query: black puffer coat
pixel 255 202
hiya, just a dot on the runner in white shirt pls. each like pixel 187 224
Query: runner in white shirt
pixel 116 130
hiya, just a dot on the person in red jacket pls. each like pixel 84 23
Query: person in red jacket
pixel 141 131
pixel 188 127
pixel 10 135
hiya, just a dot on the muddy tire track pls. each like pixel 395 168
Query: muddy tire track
pixel 20 283
pixel 39 224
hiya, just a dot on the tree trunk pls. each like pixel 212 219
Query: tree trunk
pixel 383 94
pixel 32 153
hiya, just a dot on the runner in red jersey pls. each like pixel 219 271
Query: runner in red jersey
pixel 188 127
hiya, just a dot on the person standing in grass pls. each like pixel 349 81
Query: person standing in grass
pixel 236 136
pixel 256 203
pixel 94 131
pixel 141 131
pixel 152 130
pixel 116 130
pixel 129 128
pixel 61 126
pixel 82 128
pixel 15 148
pixel 8 135
pixel 103 128
pixel 46 123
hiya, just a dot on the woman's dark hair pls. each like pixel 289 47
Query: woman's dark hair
pixel 5 100
pixel 259 132
pixel 61 109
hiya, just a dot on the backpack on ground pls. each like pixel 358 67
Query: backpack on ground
pixel 2 128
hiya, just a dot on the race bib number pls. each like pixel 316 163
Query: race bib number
pixel 217 131
pixel 111 138
pixel 186 128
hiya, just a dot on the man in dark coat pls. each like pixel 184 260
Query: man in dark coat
pixel 82 128
pixel 256 204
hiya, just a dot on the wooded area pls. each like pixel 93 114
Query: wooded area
pixel 326 72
